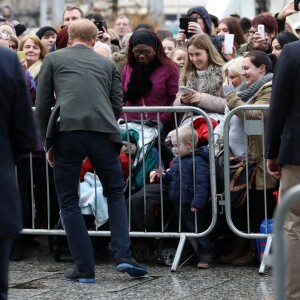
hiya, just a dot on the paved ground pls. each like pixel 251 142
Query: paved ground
pixel 39 277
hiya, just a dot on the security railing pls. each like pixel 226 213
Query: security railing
pixel 163 232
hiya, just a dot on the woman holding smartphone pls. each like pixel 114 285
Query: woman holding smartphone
pixel 202 75
pixel 255 89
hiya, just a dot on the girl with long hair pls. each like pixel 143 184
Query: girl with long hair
pixel 202 74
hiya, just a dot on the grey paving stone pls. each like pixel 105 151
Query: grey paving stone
pixel 39 277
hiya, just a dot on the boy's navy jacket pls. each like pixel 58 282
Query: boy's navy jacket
pixel 200 198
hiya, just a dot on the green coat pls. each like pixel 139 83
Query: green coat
pixel 87 89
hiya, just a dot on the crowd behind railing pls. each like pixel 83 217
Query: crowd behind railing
pixel 187 119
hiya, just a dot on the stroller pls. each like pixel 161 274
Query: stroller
pixel 146 215
pixel 144 158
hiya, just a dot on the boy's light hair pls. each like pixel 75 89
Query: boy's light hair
pixel 185 134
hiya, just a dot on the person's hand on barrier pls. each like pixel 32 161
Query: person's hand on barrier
pixel 49 157
pixel 194 209
pixel 274 168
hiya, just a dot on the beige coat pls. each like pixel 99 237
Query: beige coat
pixel 255 142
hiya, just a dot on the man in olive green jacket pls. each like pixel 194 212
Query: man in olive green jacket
pixel 83 123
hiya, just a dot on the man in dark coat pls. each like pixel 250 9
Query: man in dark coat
pixel 18 137
pixel 83 123
pixel 283 152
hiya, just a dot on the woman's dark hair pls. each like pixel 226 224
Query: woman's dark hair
pixel 214 20
pixel 266 19
pixel 285 37
pixel 140 83
pixel 160 54
pixel 258 58
pixel 245 24
pixel 96 16
pixel 143 26
pixel 235 28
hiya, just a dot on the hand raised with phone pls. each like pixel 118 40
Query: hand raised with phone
pixel 188 27
pixel 261 40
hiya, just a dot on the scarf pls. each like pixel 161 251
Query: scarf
pixel 35 68
pixel 245 92
pixel 140 83
pixel 210 82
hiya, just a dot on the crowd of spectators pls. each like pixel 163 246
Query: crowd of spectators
pixel 153 64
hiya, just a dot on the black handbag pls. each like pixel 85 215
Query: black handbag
pixel 238 184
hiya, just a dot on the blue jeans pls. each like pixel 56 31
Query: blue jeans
pixel 69 149
pixel 188 224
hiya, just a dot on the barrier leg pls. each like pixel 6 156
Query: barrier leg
pixel 265 258
pixel 178 253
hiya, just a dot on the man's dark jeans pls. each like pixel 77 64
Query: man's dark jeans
pixel 69 149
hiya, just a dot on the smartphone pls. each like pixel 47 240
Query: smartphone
pixel 21 55
pixel 185 90
pixel 184 24
pixel 261 30
pixel 228 43
pixel 296 5
pixel 100 25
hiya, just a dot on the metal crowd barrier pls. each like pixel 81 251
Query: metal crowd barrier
pixel 163 233
pixel 290 198
pixel 251 127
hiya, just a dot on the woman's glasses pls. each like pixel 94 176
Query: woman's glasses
pixel 145 52
pixel 4 36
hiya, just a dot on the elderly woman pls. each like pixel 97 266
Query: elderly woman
pixel 149 78
pixel 35 52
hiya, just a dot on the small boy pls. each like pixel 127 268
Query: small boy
pixel 193 196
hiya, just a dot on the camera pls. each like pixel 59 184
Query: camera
pixel 100 25
pixel 296 5
pixel 184 24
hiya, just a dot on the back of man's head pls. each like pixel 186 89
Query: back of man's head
pixel 82 30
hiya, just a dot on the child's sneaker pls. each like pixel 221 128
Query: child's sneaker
pixel 203 265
